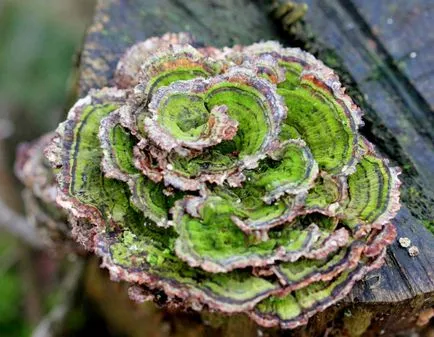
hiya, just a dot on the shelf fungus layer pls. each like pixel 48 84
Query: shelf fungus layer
pixel 233 180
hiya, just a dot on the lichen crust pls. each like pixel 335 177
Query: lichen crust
pixel 234 180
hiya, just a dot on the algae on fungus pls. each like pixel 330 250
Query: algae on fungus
pixel 233 180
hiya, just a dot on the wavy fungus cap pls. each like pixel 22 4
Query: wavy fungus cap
pixel 233 180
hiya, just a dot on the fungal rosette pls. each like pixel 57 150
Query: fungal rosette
pixel 230 180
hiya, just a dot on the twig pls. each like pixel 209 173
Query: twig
pixel 19 226
pixel 51 324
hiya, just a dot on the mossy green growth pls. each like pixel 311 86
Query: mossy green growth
pixel 283 308
pixel 88 184
pixel 147 245
pixel 185 116
pixel 165 78
pixel 322 124
pixel 180 65
pixel 324 193
pixel 227 182
pixel 247 106
pixel 217 239
pixel 147 196
pixel 213 161
pixel 298 303
pixel 369 189
pixel 155 251
pixel 299 270
pixel 291 168
pixel 122 149
pixel 292 75
pixel 150 198
pixel 320 291
pixel 247 203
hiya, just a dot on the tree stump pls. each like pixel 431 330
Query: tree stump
pixel 390 75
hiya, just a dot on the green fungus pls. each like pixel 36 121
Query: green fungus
pixel 231 179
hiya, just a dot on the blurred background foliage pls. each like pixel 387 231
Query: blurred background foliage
pixel 11 321
pixel 39 44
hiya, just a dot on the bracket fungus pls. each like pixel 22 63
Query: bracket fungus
pixel 231 180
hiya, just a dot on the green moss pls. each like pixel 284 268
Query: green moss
pixel 88 184
pixel 324 192
pixel 358 322
pixel 417 198
pixel 255 200
pixel 247 203
pixel 238 286
pixel 319 291
pixel 142 251
pixel 292 75
pixel 322 123
pixel 245 105
pixel 302 268
pixel 288 132
pixel 292 306
pixel 165 78
pixel 180 65
pixel 219 240
pixel 213 161
pixel 292 167
pixel 185 116
pixel 429 224
pixel 285 308
pixel 369 189
pixel 132 250
pixel 122 144
pixel 146 196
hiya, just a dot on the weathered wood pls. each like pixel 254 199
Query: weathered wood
pixel 404 28
pixel 402 277
pixel 119 24
pixel 405 285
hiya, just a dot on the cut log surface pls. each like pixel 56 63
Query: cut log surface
pixel 118 24
pixel 399 106
pixel 388 52
pixel 402 277
pixel 405 30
